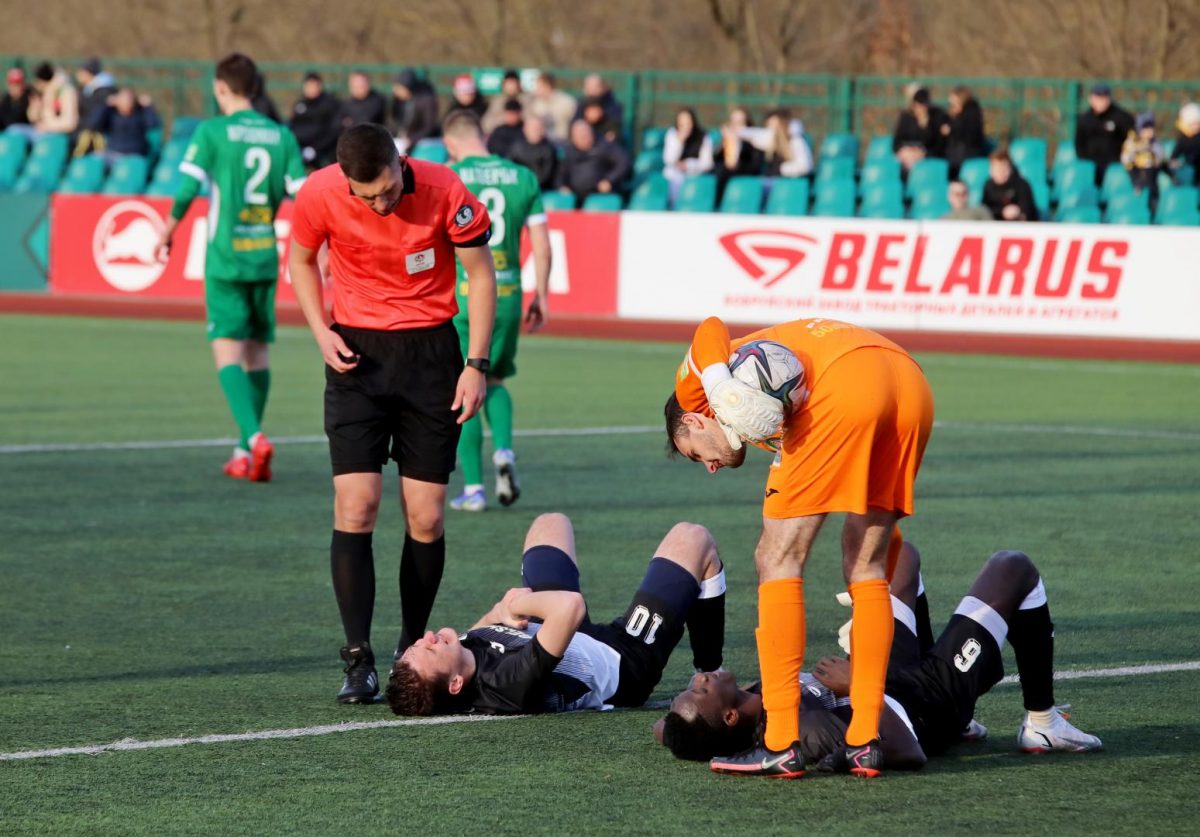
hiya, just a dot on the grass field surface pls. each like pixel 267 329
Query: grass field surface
pixel 147 597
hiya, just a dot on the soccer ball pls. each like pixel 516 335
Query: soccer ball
pixel 772 368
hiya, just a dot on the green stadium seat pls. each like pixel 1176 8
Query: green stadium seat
pixel 165 180
pixel 430 150
pixel 886 170
pixel 1083 194
pixel 1178 207
pixel 928 173
pixel 1132 213
pixel 975 173
pixel 13 150
pixel 602 202
pixel 1065 155
pixel 840 145
pixel 154 139
pixel 651 195
pixel 85 175
pixel 788 196
pixel 697 194
pixel 835 168
pixel 931 211
pixel 557 201
pixel 882 201
pixel 1041 197
pixel 1116 182
pixel 127 176
pixel 52 149
pixel 880 148
pixel 834 198
pixel 652 140
pixel 1071 175
pixel 1185 175
pixel 648 160
pixel 183 127
pixel 173 151
pixel 1080 215
pixel 743 195
pixel 1029 156
pixel 1130 199
pixel 1168 147
pixel 39 175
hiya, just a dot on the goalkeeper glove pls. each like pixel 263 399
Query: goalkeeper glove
pixel 747 411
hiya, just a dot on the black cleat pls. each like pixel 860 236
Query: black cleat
pixel 759 761
pixel 362 683
pixel 865 760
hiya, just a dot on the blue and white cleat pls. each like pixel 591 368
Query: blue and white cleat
pixel 475 501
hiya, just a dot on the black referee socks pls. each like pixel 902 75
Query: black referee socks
pixel 352 565
pixel 421 567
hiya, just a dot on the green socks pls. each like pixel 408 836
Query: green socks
pixel 260 385
pixel 470 451
pixel 498 407
pixel 240 394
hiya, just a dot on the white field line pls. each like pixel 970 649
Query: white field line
pixel 627 430
pixel 330 729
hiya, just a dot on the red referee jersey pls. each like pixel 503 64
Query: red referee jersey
pixel 395 271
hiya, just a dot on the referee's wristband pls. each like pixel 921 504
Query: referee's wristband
pixel 480 363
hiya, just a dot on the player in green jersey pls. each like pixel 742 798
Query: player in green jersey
pixel 513 200
pixel 250 163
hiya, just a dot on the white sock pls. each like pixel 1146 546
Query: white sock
pixel 504 456
pixel 472 489
pixel 1043 718
pixel 254 439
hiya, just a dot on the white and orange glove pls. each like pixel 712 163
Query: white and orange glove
pixel 743 411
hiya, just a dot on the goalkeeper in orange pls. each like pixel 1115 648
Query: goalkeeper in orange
pixel 853 444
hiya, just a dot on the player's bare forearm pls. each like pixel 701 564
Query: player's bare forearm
pixel 306 283
pixel 539 242
pixel 481 298
pixel 561 612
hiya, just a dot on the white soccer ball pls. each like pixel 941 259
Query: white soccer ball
pixel 772 368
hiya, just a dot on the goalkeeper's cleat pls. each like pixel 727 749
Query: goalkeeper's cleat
pixel 473 501
pixel 261 451
pixel 974 731
pixel 1059 734
pixel 238 466
pixel 361 684
pixel 865 760
pixel 759 761
pixel 508 488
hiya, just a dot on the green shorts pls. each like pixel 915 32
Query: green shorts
pixel 504 335
pixel 240 310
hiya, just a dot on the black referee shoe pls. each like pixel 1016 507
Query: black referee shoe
pixel 865 760
pixel 362 683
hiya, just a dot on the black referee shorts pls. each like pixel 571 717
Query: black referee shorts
pixel 395 403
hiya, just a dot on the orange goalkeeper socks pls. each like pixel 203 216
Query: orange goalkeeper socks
pixel 780 637
pixel 870 648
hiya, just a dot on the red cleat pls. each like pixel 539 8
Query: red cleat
pixel 260 459
pixel 238 467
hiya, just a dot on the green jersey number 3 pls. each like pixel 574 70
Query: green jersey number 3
pixel 493 200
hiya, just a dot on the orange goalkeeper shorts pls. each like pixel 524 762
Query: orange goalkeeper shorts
pixel 857 443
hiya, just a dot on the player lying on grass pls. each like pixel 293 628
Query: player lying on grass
pixel 931 686
pixel 508 663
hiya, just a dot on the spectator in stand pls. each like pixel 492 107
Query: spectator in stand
pixel 14 105
pixel 736 156
pixel 1187 144
pixel 509 131
pixel 552 106
pixel 782 142
pixel 537 153
pixel 315 122
pixel 593 113
pixel 918 131
pixel 961 208
pixel 510 91
pixel 687 150
pixel 126 122
pixel 1007 194
pixel 262 102
pixel 467 97
pixel 591 163
pixel 1100 131
pixel 364 104
pixel 414 110
pixel 1144 157
pixel 96 88
pixel 596 89
pixel 54 105
pixel 964 130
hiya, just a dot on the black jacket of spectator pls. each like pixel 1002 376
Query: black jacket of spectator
pixel 614 111
pixel 315 124
pixel 93 99
pixel 582 171
pixel 14 110
pixel 909 132
pixel 415 118
pixel 1015 190
pixel 750 161
pixel 477 106
pixel 541 159
pixel 503 138
pixel 264 104
pixel 1187 150
pixel 127 134
pixel 966 138
pixel 372 108
pixel 1099 136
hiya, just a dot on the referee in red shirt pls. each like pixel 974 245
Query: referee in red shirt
pixel 395 381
